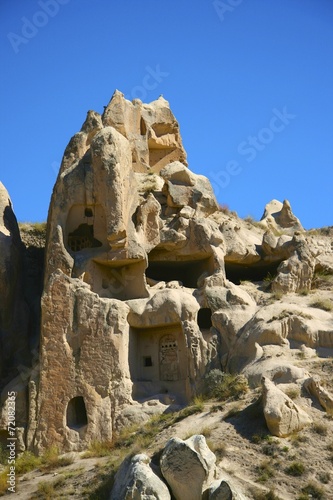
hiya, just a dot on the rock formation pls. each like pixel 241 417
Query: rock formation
pixel 148 286
pixel 283 416
pixel 188 467
pixel 137 479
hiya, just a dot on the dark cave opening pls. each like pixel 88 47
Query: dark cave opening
pixel 188 272
pixel 254 272
pixel 76 413
pixel 205 318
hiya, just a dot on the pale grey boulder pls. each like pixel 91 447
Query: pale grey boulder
pixel 188 467
pixel 136 480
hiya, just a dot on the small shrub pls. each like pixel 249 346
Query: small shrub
pixel 224 208
pixel 324 304
pixel 223 386
pixel 271 449
pixel 216 408
pixel 198 401
pixel 98 449
pixel 259 438
pixel 46 490
pixel 3 482
pixel 298 438
pixel 51 459
pixel 26 462
pixel 320 428
pixel 295 469
pixel 293 392
pixel 322 279
pixel 206 431
pixel 265 471
pixel 269 277
pixel 313 490
pixel 189 410
pixel 277 295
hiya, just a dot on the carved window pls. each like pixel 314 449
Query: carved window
pixel 83 237
pixel 169 363
pixel 147 361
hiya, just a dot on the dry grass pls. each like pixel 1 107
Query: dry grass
pixel 324 304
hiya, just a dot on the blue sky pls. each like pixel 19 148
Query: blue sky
pixel 250 81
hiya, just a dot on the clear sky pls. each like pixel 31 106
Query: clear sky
pixel 250 82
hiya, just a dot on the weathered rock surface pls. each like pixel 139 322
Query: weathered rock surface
pixel 13 309
pixel 137 480
pixel 283 417
pixel 279 216
pixel 221 490
pixel 188 467
pixel 313 386
pixel 148 286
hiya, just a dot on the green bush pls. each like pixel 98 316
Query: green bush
pixel 295 469
pixel 224 386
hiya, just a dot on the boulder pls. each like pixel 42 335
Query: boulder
pixel 283 417
pixel 188 467
pixel 222 490
pixel 313 386
pixel 137 479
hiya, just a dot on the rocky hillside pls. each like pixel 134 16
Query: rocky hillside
pixel 150 296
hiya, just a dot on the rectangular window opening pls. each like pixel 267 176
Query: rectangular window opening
pixel 147 361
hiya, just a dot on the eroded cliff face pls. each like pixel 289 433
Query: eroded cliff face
pixel 148 285
pixel 15 353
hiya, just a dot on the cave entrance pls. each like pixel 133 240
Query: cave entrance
pixel 255 272
pixel 188 272
pixel 205 318
pixel 76 413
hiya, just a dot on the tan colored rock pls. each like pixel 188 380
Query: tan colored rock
pixel 183 188
pixel 115 249
pixel 313 386
pixel 279 371
pixel 151 129
pixel 136 479
pixel 295 273
pixel 279 215
pixel 188 467
pixel 283 417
